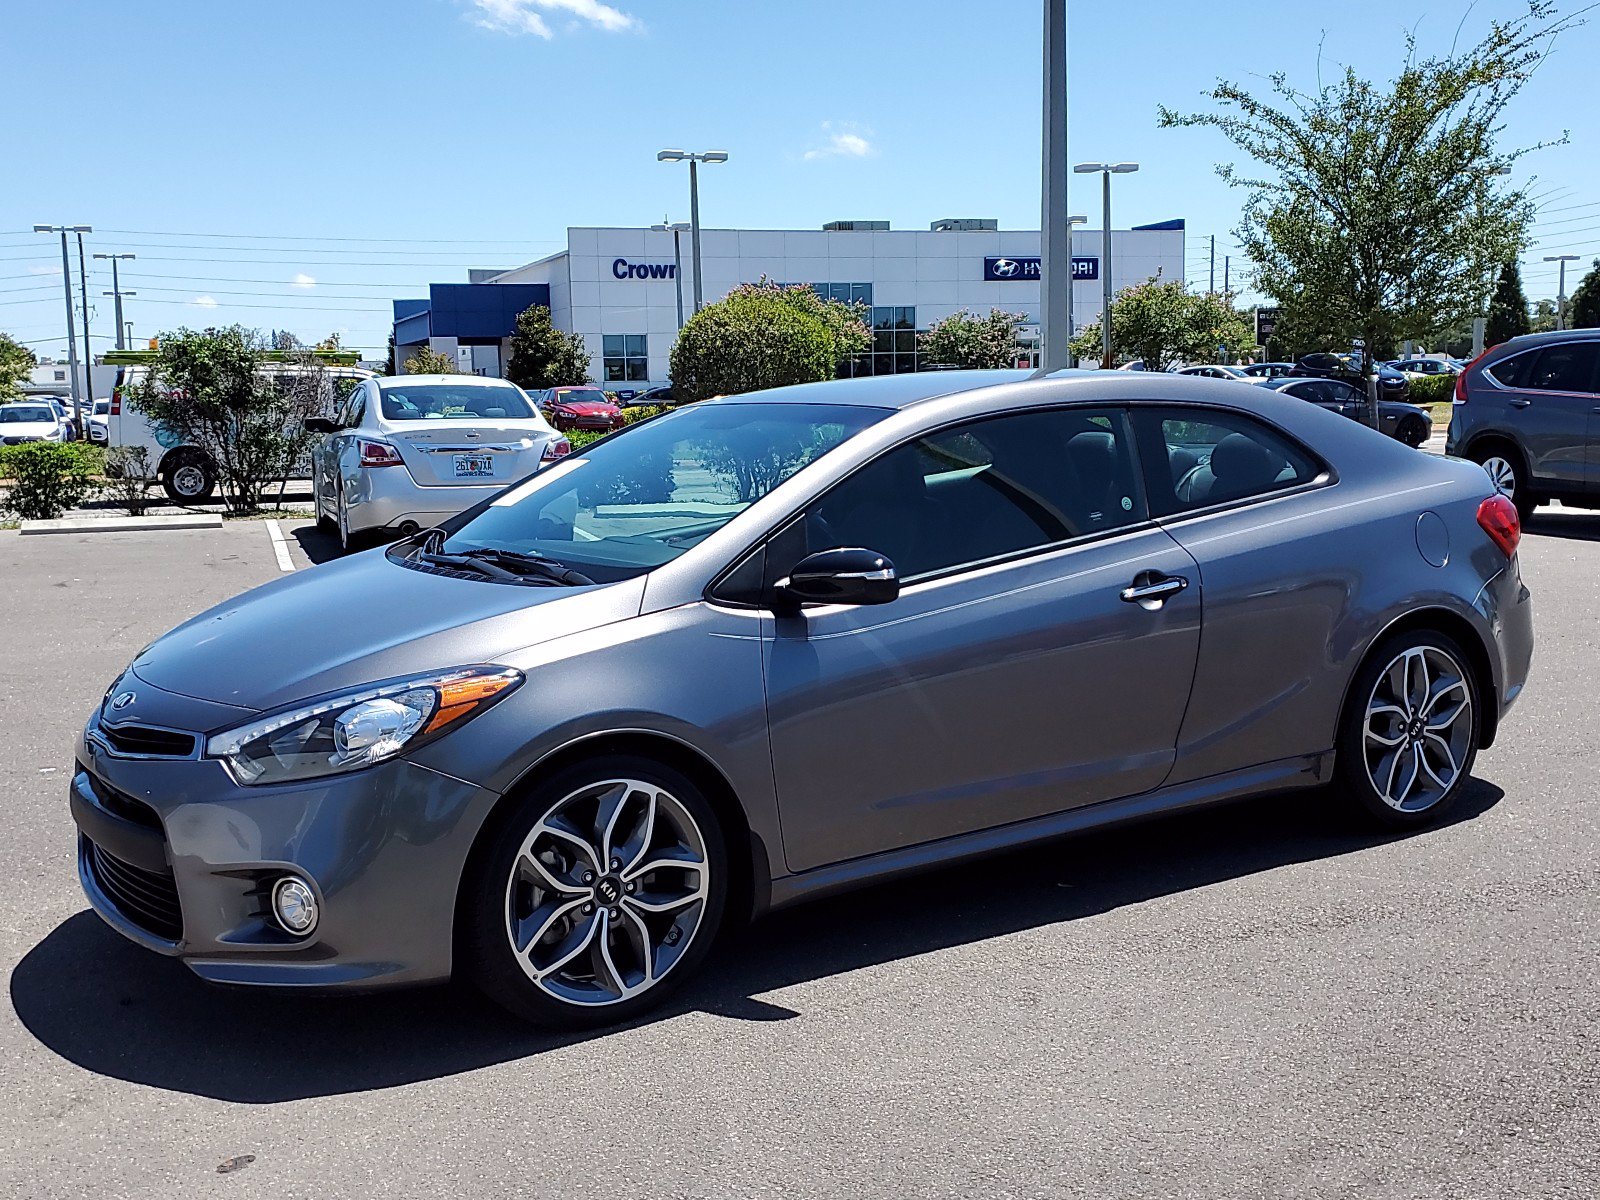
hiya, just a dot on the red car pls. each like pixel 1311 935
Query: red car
pixel 579 408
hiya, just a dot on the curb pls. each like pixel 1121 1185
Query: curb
pixel 123 524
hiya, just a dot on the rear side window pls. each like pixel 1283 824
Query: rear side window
pixel 1564 368
pixel 1195 458
pixel 1511 372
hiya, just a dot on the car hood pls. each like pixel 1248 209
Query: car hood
pixel 586 406
pixel 362 619
pixel 29 428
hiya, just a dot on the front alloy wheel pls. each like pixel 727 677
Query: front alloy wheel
pixel 1411 730
pixel 601 900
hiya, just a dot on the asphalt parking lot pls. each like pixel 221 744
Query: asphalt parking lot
pixel 1263 1000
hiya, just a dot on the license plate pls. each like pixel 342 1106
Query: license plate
pixel 474 466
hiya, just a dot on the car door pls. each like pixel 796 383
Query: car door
pixel 344 447
pixel 1037 659
pixel 1272 551
pixel 1318 392
pixel 1553 409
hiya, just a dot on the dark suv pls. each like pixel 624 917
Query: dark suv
pixel 1529 411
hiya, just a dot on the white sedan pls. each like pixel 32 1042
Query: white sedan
pixel 30 421
pixel 403 453
pixel 1216 371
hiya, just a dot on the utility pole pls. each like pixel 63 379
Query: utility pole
pixel 1212 288
pixel 88 355
pixel 1226 260
pixel 66 283
pixel 1055 237
pixel 117 293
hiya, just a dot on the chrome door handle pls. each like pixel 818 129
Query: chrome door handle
pixel 1157 590
pixel 1519 403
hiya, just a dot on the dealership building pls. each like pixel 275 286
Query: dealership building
pixel 623 290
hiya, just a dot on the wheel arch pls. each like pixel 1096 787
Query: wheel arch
pixel 750 882
pixel 1438 619
pixel 172 459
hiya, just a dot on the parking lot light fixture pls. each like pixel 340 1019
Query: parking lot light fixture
pixel 1561 288
pixel 676 228
pixel 694 158
pixel 1106 171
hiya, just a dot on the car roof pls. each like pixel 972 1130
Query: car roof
pixel 888 391
pixel 1526 340
pixel 388 381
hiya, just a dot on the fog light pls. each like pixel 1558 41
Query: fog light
pixel 295 905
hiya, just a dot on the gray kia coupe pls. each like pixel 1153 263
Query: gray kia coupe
pixel 767 647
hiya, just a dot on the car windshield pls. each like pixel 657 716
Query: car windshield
pixel 18 413
pixel 580 396
pixel 639 499
pixel 450 401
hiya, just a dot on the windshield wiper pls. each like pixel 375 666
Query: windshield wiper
pixel 511 566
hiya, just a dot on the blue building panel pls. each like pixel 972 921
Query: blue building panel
pixel 468 312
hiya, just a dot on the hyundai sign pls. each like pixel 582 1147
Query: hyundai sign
pixel 1012 267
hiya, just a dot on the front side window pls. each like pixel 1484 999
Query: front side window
pixel 1565 368
pixel 985 490
pixel 638 500
pixel 448 401
pixel 1198 457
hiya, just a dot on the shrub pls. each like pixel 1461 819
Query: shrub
pixel 543 356
pixel 50 479
pixel 582 437
pixel 642 412
pixel 88 458
pixel 1431 389
pixel 754 338
pixel 131 477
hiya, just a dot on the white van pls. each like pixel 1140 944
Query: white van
pixel 186 472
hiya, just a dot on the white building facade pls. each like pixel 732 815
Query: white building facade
pixel 619 288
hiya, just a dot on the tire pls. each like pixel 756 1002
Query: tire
pixel 349 540
pixel 1508 471
pixel 1413 433
pixel 188 478
pixel 1437 737
pixel 324 522
pixel 587 936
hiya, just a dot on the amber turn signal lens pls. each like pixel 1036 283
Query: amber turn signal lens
pixel 462 697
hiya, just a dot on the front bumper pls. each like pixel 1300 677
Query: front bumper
pixel 177 857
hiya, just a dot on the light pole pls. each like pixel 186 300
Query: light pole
pixel 117 292
pixel 1072 279
pixel 66 283
pixel 1561 289
pixel 1055 230
pixel 1106 171
pixel 676 228
pixel 694 158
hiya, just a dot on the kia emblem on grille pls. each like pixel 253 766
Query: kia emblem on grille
pixel 122 701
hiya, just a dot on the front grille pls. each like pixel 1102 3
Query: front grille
pixel 147 898
pixel 120 803
pixel 142 739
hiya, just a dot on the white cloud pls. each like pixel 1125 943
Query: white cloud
pixel 302 280
pixel 842 140
pixel 38 270
pixel 528 16
pixel 203 302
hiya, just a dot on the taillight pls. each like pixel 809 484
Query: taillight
pixel 116 402
pixel 1500 521
pixel 379 454
pixel 556 448
pixel 1460 396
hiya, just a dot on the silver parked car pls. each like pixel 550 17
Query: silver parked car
pixel 406 452
pixel 769 647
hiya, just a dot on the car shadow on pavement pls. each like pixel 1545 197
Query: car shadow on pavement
pixel 1576 524
pixel 316 543
pixel 118 1010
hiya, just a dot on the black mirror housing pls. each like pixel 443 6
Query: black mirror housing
pixel 848 575
pixel 320 425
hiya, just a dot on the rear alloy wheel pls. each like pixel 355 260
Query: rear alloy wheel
pixel 599 896
pixel 349 541
pixel 1510 478
pixel 188 479
pixel 324 521
pixel 1410 730
pixel 1414 433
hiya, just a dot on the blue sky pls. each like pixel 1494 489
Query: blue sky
pixel 345 152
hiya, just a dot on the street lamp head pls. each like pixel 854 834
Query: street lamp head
pixel 670 156
pixel 712 156
pixel 1077 220
pixel 1089 168
pixel 44 228
pixel 1562 257
pixel 670 227
pixel 119 256
pixel 1124 168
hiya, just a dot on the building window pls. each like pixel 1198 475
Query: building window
pixel 627 357
pixel 894 342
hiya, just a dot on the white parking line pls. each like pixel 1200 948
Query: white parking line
pixel 280 546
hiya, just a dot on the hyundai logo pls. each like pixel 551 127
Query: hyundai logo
pixel 122 701
pixel 1005 268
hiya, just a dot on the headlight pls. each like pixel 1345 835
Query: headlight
pixel 355 729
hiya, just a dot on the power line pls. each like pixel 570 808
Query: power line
pixel 277 237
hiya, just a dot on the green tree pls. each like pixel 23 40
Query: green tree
pixel 388 359
pixel 1583 306
pixel 543 356
pixel 1162 323
pixel 16 362
pixel 1508 307
pixel 428 361
pixel 1543 319
pixel 763 336
pixel 964 339
pixel 207 389
pixel 1370 210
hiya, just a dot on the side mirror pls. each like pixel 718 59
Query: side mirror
pixel 321 425
pixel 848 575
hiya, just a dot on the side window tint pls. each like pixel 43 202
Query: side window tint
pixel 1564 368
pixel 1512 372
pixel 984 490
pixel 1213 457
